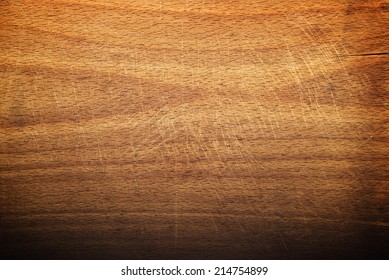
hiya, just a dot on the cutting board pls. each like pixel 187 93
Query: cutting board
pixel 194 129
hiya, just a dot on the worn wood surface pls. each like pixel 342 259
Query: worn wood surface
pixel 194 129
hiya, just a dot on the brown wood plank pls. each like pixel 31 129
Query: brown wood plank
pixel 207 129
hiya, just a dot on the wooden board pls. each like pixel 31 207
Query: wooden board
pixel 194 129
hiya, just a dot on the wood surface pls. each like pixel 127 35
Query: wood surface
pixel 202 129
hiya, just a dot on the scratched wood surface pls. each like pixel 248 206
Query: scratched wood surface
pixel 194 129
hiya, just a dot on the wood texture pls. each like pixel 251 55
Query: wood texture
pixel 194 129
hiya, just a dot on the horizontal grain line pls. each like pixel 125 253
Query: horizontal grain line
pixel 188 214
pixel 270 139
pixel 310 159
pixel 369 54
pixel 189 12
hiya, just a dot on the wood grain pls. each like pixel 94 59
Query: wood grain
pixel 194 129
